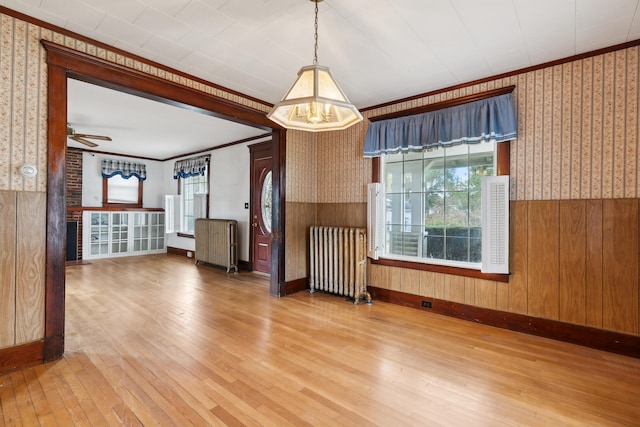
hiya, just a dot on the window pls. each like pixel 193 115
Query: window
pixel 122 183
pixel 193 187
pixel 433 204
pixel 121 191
pixel 194 191
pixel 437 166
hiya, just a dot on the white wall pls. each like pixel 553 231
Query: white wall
pixel 153 187
pixel 230 189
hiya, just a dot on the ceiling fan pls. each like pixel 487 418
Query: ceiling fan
pixel 82 137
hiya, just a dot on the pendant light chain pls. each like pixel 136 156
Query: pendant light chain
pixel 315 47
pixel 315 102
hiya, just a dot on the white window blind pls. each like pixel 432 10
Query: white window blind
pixel 173 213
pixel 495 224
pixel 375 220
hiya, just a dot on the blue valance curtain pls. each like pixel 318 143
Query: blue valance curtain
pixel 193 166
pixel 491 119
pixel 123 168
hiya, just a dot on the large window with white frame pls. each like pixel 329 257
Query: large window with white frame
pixel 432 202
pixel 194 192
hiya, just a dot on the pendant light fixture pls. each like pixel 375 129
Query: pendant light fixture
pixel 315 102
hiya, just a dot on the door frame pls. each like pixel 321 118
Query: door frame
pixel 253 148
pixel 64 63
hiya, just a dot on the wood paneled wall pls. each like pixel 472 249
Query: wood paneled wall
pixel 22 267
pixel 7 268
pixel 300 217
pixel 342 214
pixel 574 186
pixel 574 261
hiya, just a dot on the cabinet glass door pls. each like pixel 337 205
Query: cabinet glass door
pixel 156 231
pixel 119 233
pixel 99 234
pixel 140 232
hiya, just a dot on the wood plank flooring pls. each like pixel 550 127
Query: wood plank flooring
pixel 156 340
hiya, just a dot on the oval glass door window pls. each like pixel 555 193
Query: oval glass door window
pixel 266 201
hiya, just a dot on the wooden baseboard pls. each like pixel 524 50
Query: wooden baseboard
pixel 21 356
pixel 245 266
pixel 76 263
pixel 294 286
pixel 179 251
pixel 614 342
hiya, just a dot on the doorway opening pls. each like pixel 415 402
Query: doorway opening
pixel 261 205
pixel 64 63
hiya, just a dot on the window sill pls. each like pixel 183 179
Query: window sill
pixel 436 268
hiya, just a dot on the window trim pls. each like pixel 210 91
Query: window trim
pixel 503 162
pixel 105 195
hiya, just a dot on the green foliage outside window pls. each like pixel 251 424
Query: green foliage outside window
pixel 434 202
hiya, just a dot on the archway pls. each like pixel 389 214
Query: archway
pixel 66 63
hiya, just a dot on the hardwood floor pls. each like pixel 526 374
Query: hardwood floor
pixel 156 340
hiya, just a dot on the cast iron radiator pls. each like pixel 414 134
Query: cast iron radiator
pixel 217 242
pixel 338 262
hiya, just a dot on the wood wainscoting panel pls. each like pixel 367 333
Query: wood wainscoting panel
pixel 575 261
pixel 428 283
pixel 326 214
pixel 593 267
pixel 572 240
pixel 502 296
pixel 378 275
pixel 517 297
pixel 470 290
pixel 300 217
pixel 30 266
pixel 410 281
pixel 7 268
pixel 486 293
pixel 440 288
pixel 384 276
pixel 543 259
pixel 454 288
pixel 352 214
pixel 342 214
pixel 620 265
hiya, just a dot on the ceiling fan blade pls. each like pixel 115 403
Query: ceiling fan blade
pixel 83 141
pixel 100 137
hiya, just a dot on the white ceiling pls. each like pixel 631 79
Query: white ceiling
pixel 378 50
pixel 143 127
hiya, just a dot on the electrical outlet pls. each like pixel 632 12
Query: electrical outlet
pixel 426 304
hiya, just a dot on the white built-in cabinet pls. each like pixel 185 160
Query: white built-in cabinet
pixel 122 233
